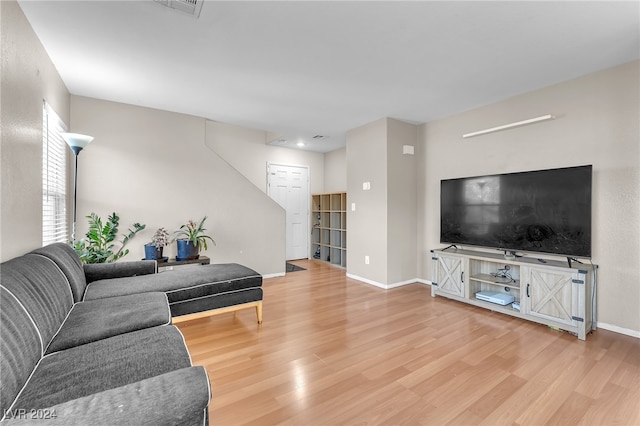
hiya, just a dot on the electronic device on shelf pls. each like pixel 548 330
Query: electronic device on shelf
pixel 494 297
pixel 542 211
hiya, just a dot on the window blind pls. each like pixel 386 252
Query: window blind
pixel 54 178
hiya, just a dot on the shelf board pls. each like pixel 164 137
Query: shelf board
pixel 498 281
pixel 496 307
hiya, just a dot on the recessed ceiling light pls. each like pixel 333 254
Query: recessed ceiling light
pixel 300 144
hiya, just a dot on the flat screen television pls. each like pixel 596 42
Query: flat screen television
pixel 542 211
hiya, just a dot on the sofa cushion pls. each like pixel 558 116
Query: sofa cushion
pixel 39 284
pixel 68 261
pixel 104 271
pixel 99 319
pixel 104 364
pixel 20 348
pixel 177 398
pixel 184 284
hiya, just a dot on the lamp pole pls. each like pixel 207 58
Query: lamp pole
pixel 76 142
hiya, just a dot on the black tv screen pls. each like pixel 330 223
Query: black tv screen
pixel 545 211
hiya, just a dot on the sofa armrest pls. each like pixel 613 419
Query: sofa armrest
pixel 180 397
pixel 102 271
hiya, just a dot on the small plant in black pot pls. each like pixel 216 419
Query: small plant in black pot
pixel 153 250
pixel 191 239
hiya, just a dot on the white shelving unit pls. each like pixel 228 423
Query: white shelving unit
pixel 549 292
pixel 329 228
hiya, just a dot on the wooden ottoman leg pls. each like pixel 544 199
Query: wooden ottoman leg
pixel 259 311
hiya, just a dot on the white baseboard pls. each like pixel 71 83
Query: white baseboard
pixel 277 274
pixel 388 286
pixel 616 329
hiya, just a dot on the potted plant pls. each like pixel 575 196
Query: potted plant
pixel 98 245
pixel 153 250
pixel 191 239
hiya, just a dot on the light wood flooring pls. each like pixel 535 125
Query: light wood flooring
pixel 335 351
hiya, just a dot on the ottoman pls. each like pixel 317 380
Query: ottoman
pixel 192 292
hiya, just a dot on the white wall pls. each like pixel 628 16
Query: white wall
pixel 28 77
pixel 367 225
pixel 597 123
pixel 246 151
pixel 383 226
pixel 335 171
pixel 401 202
pixel 153 167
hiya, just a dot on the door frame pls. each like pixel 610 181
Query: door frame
pixel 308 203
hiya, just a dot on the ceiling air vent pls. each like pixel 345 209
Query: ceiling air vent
pixel 190 7
pixel 320 137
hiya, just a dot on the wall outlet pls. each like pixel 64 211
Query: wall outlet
pixel 366 260
pixel 353 207
pixel 366 186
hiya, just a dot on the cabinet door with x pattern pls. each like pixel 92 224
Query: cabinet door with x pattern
pixel 449 274
pixel 555 294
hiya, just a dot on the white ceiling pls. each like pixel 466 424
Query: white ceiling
pixel 300 68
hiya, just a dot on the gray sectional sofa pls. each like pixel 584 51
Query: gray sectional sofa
pixel 94 344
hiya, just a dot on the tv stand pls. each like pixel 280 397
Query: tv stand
pixel 549 292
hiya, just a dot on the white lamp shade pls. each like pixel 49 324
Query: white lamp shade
pixel 76 140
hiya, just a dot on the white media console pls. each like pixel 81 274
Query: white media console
pixel 546 291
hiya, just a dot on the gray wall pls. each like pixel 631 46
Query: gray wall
pixel 597 123
pixel 28 78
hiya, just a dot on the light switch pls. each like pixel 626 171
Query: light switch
pixel 366 186
pixel 407 149
pixel 353 207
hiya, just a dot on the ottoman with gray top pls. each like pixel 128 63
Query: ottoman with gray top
pixel 192 292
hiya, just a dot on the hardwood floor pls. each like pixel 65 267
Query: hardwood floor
pixel 332 351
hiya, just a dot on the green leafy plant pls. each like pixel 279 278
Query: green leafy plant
pixel 98 246
pixel 195 233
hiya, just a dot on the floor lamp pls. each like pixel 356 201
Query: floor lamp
pixel 76 142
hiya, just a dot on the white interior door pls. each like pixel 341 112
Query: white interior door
pixel 289 187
